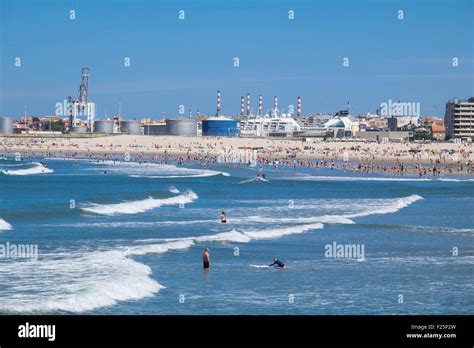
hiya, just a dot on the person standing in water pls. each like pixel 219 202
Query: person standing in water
pixel 223 217
pixel 206 259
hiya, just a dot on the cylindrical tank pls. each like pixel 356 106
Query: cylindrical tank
pixel 181 126
pixel 220 126
pixel 131 127
pixel 6 125
pixel 155 129
pixel 78 129
pixel 104 126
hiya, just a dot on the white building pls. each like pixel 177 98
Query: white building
pixel 459 119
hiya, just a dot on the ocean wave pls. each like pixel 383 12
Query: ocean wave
pixel 86 281
pixel 431 229
pixel 200 175
pixel 5 226
pixel 331 219
pixel 136 224
pixel 37 168
pixel 360 178
pixel 251 180
pixel 155 170
pixel 135 207
pixel 77 283
pixel 235 236
pixel 390 206
pixel 173 189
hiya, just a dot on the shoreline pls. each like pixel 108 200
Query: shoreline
pixel 447 158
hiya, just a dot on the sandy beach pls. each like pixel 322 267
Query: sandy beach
pixel 453 157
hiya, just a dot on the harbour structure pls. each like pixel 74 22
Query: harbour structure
pixel 459 119
pixel 275 124
pixel 81 107
pixel 220 125
pixel 6 125
pixel 105 126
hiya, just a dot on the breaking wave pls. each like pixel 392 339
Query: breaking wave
pixel 37 168
pixel 360 178
pixel 5 226
pixel 155 170
pixel 84 281
pixel 173 189
pixel 135 207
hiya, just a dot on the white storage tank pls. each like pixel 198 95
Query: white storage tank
pixel 6 125
pixel 181 126
pixel 104 126
pixel 131 127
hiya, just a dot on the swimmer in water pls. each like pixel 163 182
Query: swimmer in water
pixel 277 263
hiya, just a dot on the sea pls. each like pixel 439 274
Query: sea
pixel 115 237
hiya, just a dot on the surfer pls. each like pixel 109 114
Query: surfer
pixel 223 217
pixel 278 263
pixel 206 259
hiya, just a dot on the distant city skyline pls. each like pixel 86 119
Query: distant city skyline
pixel 327 52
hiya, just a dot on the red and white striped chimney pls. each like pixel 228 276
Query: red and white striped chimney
pixel 218 103
pixel 298 110
pixel 260 105
pixel 242 105
pixel 248 104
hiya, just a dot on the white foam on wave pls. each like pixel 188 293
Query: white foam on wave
pixel 173 189
pixel 136 224
pixel 200 175
pixel 436 229
pixel 135 207
pixel 5 226
pixel 74 282
pixel 251 180
pixel 242 236
pixel 157 170
pixel 389 206
pixel 331 219
pixel 360 178
pixel 37 168
pixel 282 231
pixel 84 282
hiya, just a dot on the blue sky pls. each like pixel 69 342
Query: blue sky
pixel 176 62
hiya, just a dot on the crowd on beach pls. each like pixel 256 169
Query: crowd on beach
pixel 393 159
